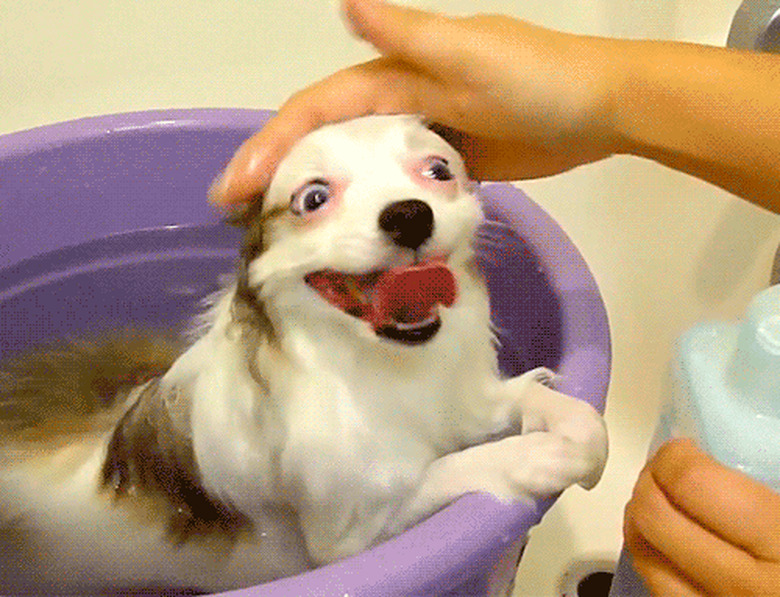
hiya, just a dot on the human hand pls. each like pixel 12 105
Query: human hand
pixel 526 102
pixel 694 526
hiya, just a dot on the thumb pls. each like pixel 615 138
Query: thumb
pixel 423 39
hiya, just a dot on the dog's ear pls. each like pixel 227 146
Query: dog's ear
pixel 244 215
pixel 253 221
pixel 247 217
pixel 457 140
pixel 450 135
pixel 247 307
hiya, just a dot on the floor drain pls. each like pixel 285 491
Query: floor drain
pixel 596 584
pixel 587 578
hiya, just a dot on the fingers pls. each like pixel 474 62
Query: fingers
pixel 733 506
pixel 379 86
pixel 473 50
pixel 369 88
pixel 680 540
pixel 387 27
pixel 251 167
pixel 417 44
pixel 696 525
pixel 427 40
pixel 658 573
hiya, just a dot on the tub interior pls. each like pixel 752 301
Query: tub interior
pixel 105 225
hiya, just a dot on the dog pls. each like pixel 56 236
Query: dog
pixel 342 387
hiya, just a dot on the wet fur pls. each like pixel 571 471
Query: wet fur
pixel 66 386
pixel 151 451
pixel 255 454
pixel 67 389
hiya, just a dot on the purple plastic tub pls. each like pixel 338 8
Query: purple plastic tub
pixel 104 222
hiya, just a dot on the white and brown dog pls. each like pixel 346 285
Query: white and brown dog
pixel 344 387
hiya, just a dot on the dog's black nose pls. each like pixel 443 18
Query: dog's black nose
pixel 408 223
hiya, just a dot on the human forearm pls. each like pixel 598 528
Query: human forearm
pixel 710 112
pixel 531 102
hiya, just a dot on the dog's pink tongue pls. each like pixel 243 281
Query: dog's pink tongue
pixel 410 294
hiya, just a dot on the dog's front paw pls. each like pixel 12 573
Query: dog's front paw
pixel 516 468
pixel 541 375
pixel 552 463
pixel 572 423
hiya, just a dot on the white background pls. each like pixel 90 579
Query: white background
pixel 666 250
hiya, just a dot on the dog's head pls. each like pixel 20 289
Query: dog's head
pixel 370 221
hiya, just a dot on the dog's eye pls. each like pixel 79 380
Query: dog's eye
pixel 310 198
pixel 437 168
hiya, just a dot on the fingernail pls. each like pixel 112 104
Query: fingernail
pixel 355 17
pixel 348 18
pixel 216 192
pixel 242 174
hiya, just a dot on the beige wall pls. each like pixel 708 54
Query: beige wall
pixel 667 250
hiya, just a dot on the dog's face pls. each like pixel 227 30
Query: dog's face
pixel 371 220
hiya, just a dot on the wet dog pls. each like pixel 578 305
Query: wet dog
pixel 342 388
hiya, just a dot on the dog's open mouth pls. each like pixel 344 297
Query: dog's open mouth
pixel 401 303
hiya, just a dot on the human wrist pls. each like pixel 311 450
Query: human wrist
pixel 597 69
pixel 661 96
pixel 706 111
pixel 635 97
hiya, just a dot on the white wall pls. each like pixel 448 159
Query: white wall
pixel 667 250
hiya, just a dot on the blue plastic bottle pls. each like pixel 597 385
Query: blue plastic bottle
pixel 725 393
pixel 727 389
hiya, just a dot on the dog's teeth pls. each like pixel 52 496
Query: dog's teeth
pixel 405 327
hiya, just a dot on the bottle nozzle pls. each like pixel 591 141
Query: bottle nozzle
pixel 754 374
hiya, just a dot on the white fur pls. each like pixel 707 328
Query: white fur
pixel 361 435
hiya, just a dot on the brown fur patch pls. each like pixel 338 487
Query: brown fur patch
pixel 151 452
pixel 75 386
pixel 18 545
pixel 247 307
pixel 58 394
